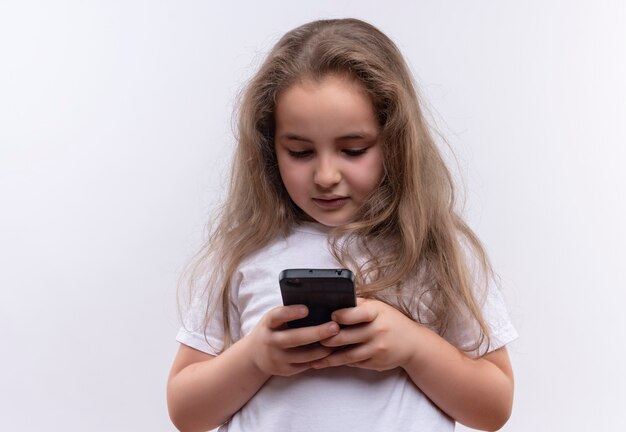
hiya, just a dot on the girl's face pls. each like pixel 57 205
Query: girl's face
pixel 327 146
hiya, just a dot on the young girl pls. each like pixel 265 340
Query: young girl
pixel 335 167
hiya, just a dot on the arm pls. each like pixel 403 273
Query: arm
pixel 475 392
pixel 204 391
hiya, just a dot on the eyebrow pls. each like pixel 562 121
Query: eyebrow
pixel 293 137
pixel 351 135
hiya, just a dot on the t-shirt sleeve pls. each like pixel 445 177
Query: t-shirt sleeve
pixel 207 334
pixel 464 332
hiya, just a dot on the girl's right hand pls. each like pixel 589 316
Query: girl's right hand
pixel 278 350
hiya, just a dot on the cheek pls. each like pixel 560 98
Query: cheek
pixel 371 173
pixel 291 176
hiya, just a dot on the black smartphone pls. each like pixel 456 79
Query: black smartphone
pixel 323 291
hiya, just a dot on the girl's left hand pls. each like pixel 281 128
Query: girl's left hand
pixel 377 337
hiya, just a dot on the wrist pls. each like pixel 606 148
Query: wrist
pixel 247 351
pixel 420 344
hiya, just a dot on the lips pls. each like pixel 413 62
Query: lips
pixel 330 202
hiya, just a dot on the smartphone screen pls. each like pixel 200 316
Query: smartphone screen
pixel 323 291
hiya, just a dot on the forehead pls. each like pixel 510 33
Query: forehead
pixel 333 102
pixel 326 83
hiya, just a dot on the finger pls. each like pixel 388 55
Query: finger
pixel 359 301
pixel 293 369
pixel 308 354
pixel 292 338
pixel 280 315
pixel 348 356
pixel 363 313
pixel 349 336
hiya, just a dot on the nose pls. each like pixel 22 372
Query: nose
pixel 327 173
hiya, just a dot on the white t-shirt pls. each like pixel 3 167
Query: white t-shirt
pixel 332 399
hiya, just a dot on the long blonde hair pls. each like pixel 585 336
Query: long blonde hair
pixel 412 214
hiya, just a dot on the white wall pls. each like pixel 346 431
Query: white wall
pixel 115 133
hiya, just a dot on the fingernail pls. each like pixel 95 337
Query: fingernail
pixel 333 327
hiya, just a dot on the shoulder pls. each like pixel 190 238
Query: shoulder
pixel 487 292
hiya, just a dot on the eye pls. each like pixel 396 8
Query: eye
pixel 354 152
pixel 300 154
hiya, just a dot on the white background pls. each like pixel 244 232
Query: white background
pixel 115 138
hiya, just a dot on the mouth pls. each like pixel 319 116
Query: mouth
pixel 330 202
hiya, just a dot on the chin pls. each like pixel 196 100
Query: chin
pixel 332 223
pixel 331 219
